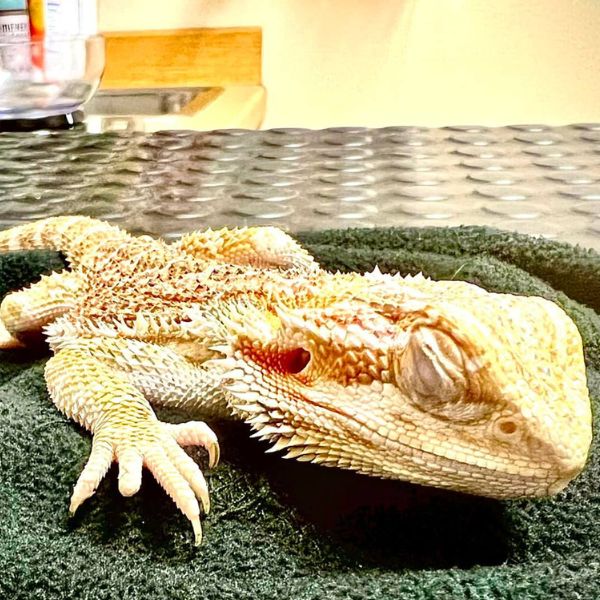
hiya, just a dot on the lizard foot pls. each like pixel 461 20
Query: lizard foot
pixel 158 446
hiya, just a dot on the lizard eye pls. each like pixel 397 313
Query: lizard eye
pixel 430 371
pixel 431 368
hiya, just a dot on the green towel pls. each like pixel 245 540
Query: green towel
pixel 283 529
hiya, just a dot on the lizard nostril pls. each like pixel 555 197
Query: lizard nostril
pixel 506 428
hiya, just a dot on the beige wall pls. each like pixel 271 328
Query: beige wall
pixel 429 62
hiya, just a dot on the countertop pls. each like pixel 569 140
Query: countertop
pixel 533 179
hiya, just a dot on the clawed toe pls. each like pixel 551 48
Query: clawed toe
pixel 197 433
pixel 95 469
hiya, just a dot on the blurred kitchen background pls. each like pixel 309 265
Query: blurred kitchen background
pixel 490 113
pixel 419 62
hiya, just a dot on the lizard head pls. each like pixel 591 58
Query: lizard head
pixel 439 383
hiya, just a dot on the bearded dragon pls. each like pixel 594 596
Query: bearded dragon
pixel 435 382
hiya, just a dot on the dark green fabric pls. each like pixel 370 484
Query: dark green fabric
pixel 283 529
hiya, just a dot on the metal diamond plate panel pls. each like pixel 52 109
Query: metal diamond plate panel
pixel 530 178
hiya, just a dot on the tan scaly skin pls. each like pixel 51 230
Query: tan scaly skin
pixel 438 383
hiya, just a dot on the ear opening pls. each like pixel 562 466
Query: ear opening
pixel 295 361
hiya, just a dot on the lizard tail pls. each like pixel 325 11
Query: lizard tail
pixel 74 236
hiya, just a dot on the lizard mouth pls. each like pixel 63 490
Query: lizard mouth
pixel 310 424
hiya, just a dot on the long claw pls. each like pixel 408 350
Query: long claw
pixel 197 527
pixel 214 455
pixel 95 469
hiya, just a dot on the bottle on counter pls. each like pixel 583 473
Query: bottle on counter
pixel 15 57
pixel 53 22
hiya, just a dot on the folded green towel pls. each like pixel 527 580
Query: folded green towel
pixel 283 529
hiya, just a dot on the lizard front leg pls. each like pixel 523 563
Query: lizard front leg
pixel 262 247
pixel 103 399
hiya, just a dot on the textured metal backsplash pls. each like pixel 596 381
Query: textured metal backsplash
pixel 533 178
